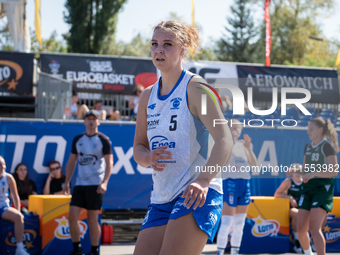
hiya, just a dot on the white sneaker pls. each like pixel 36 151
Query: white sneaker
pixel 21 251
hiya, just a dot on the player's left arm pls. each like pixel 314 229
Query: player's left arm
pixel 108 156
pixel 109 163
pixel 13 191
pixel 221 134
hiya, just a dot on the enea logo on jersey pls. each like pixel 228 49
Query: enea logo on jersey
pixel 152 106
pixel 10 74
pixel 62 231
pixel 160 140
pixel 331 234
pixel 153 115
pixel 87 159
pixel 28 238
pixel 264 228
pixel 175 103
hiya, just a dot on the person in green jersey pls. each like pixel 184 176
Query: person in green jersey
pixel 291 188
pixel 320 167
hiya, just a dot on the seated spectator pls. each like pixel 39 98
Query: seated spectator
pixel 74 106
pixel 83 109
pixel 113 115
pixel 134 101
pixel 291 188
pixel 9 213
pixel 25 186
pixel 55 181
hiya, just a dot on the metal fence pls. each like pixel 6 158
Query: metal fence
pixel 53 98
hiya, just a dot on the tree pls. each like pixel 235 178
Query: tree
pixel 237 44
pixel 51 44
pixel 291 27
pixel 93 23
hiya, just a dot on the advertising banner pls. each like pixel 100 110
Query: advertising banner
pixel 38 143
pixel 322 84
pixel 100 74
pixel 16 72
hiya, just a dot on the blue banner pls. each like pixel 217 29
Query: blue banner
pixel 36 143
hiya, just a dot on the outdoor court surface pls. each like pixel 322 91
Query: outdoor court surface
pixel 127 249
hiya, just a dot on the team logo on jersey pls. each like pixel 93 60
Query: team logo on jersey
pixel 160 140
pixel 175 103
pixel 87 159
pixel 153 115
pixel 153 123
pixel 213 218
pixel 331 234
pixel 3 183
pixel 152 106
pixel 62 231
pixel 264 228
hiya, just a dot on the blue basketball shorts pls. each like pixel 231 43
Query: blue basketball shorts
pixel 236 192
pixel 207 217
pixel 2 210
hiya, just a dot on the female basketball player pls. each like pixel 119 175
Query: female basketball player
pixel 236 190
pixel 172 137
pixel 10 213
pixel 320 165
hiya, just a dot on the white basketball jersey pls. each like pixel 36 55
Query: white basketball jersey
pixel 4 201
pixel 171 123
pixel 238 160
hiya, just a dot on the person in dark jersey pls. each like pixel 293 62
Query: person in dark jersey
pixel 320 166
pixel 7 183
pixel 291 188
pixel 93 151
pixel 25 186
pixel 55 181
pixel 172 137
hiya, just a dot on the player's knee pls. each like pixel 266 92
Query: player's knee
pixel 239 220
pixel 226 222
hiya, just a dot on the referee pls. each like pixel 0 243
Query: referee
pixel 93 151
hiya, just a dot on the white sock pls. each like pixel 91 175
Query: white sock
pixel 20 245
pixel 295 235
pixel 220 251
pixel 234 250
pixel 308 251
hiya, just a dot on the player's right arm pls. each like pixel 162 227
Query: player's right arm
pixel 282 192
pixel 70 167
pixel 141 150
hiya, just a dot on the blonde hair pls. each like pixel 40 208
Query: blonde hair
pixel 328 130
pixel 185 35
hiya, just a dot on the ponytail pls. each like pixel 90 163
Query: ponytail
pixel 328 130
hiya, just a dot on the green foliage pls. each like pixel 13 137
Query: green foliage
pixel 6 42
pixel 51 44
pixel 93 23
pixel 291 26
pixel 237 44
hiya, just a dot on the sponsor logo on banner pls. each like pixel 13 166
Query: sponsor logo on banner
pixel 28 238
pixel 160 140
pixel 264 228
pixel 54 66
pixel 10 74
pixel 331 234
pixel 62 231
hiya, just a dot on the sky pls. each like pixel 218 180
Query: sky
pixel 140 16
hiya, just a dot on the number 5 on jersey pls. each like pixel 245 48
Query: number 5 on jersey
pixel 173 123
